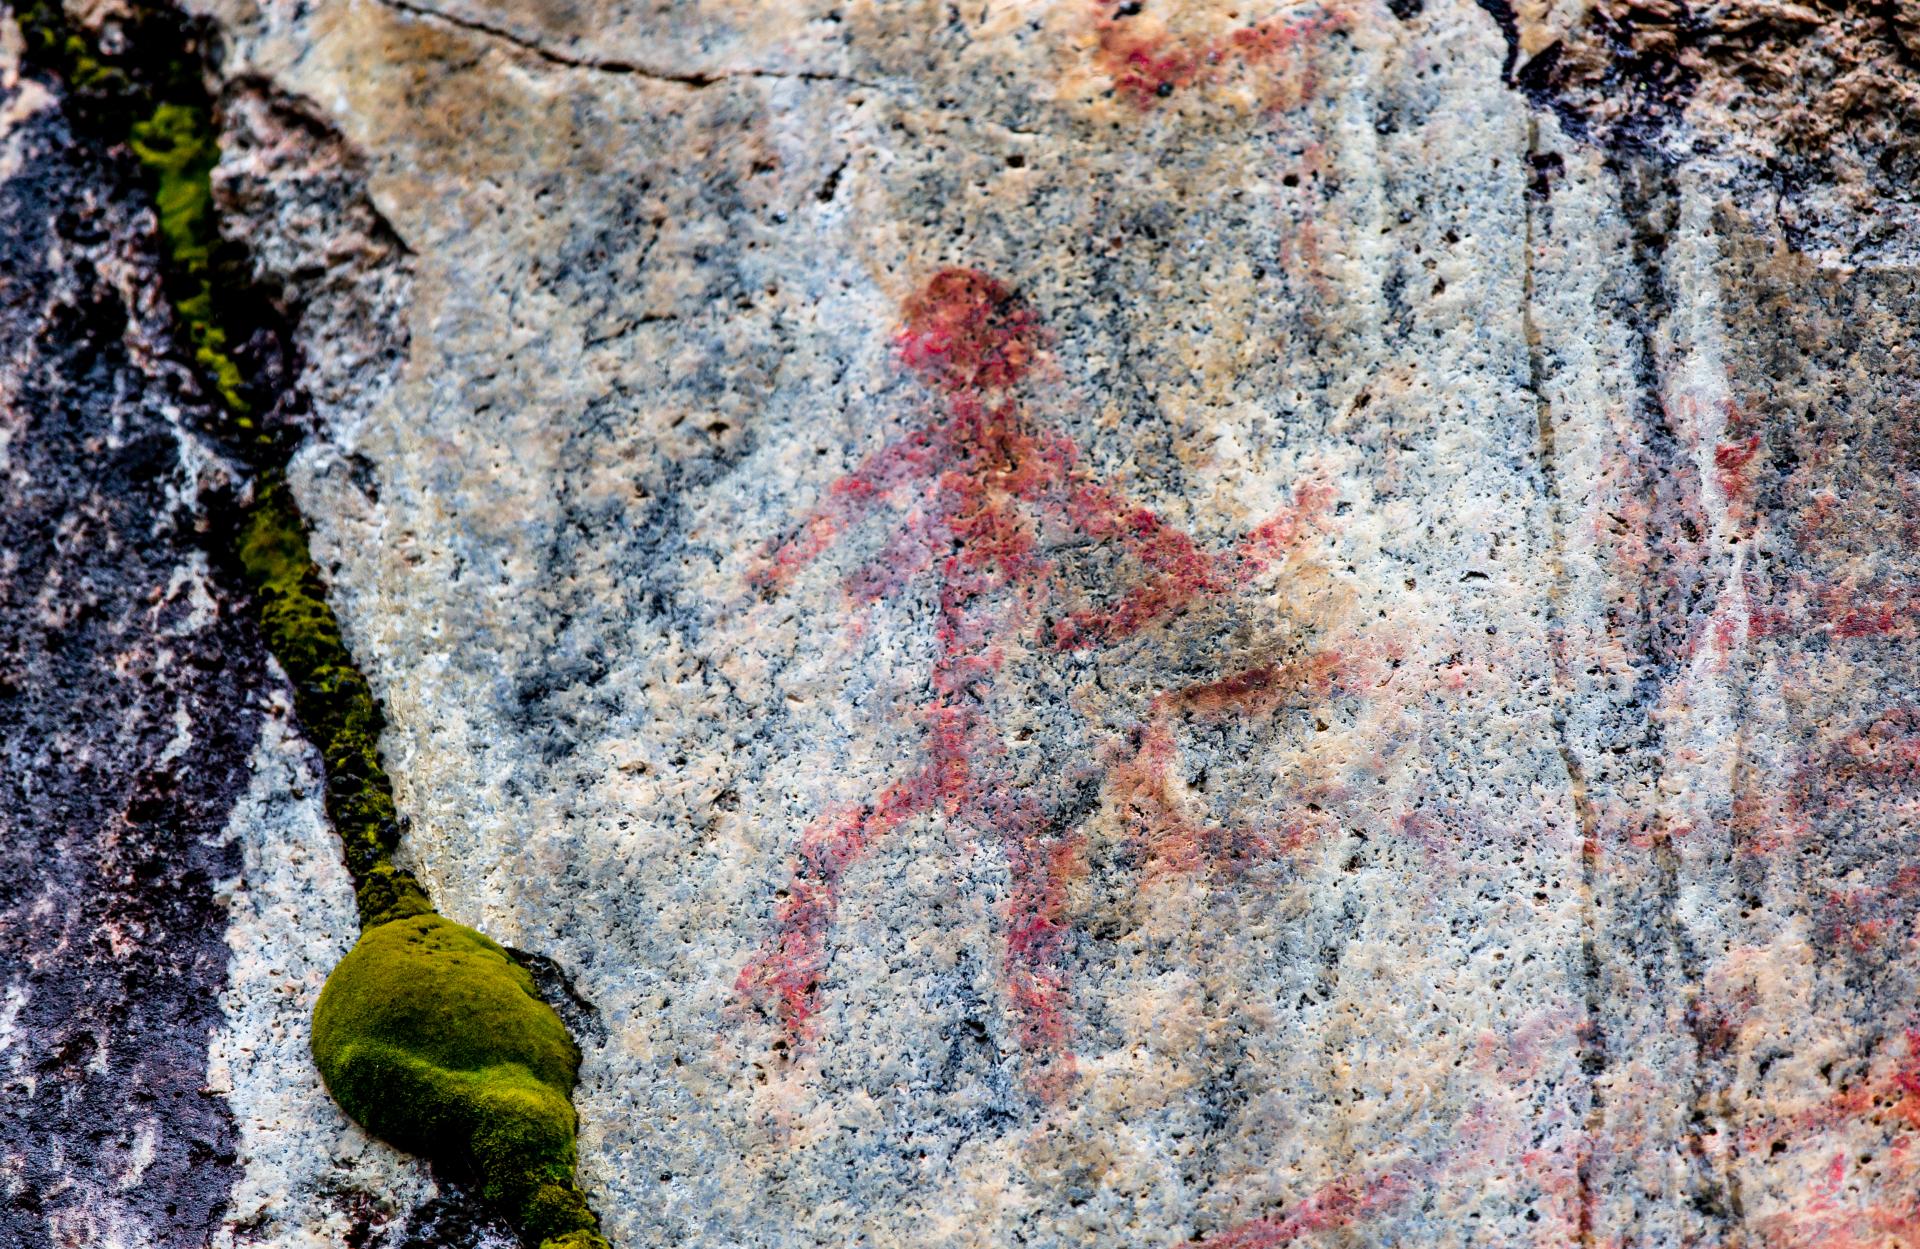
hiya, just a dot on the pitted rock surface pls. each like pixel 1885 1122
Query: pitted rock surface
pixel 1130 624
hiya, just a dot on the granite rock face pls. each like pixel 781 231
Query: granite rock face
pixel 1082 623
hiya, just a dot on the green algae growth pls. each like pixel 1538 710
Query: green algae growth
pixel 428 1034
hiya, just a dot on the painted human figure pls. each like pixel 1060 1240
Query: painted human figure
pixel 989 503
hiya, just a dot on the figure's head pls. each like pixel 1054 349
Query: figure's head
pixel 966 331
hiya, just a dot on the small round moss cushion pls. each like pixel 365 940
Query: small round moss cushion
pixel 432 1038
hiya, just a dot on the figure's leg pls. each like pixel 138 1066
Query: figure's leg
pixel 1043 857
pixel 1142 777
pixel 784 978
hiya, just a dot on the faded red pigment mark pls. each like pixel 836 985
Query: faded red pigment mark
pixel 1730 460
pixel 1865 916
pixel 1882 611
pixel 978 485
pixel 1147 65
pixel 1831 1216
pixel 1141 786
pixel 1843 774
pixel 1348 1201
pixel 1878 1226
pixel 1884 753
pixel 1168 840
pixel 1893 1098
pixel 1340 1204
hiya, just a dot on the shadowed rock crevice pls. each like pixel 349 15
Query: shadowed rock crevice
pixel 1817 106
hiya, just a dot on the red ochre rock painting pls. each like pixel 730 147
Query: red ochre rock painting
pixel 1271 62
pixel 987 480
pixel 1148 64
pixel 1827 1213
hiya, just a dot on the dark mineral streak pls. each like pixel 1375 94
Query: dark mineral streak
pixel 131 682
pixel 127 691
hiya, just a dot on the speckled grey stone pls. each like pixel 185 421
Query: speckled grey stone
pixel 170 898
pixel 126 687
pixel 1138 624
pixel 1353 819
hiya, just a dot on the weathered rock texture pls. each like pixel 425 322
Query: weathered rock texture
pixel 126 693
pixel 170 899
pixel 1119 624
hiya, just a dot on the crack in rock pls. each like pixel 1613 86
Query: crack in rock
pixel 605 65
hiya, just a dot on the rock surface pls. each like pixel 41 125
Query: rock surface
pixel 126 715
pixel 1081 623
pixel 170 896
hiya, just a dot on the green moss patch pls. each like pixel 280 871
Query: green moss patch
pixel 151 98
pixel 335 704
pixel 433 1038
pixel 176 143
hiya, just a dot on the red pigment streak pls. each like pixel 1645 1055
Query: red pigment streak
pixel 1884 611
pixel 978 484
pixel 787 974
pixel 1896 1098
pixel 1182 573
pixel 1153 819
pixel 1319 676
pixel 1147 65
pixel 1864 917
pixel 1140 782
pixel 1280 534
pixel 848 500
pixel 1730 460
pixel 1339 1204
pixel 1349 1200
